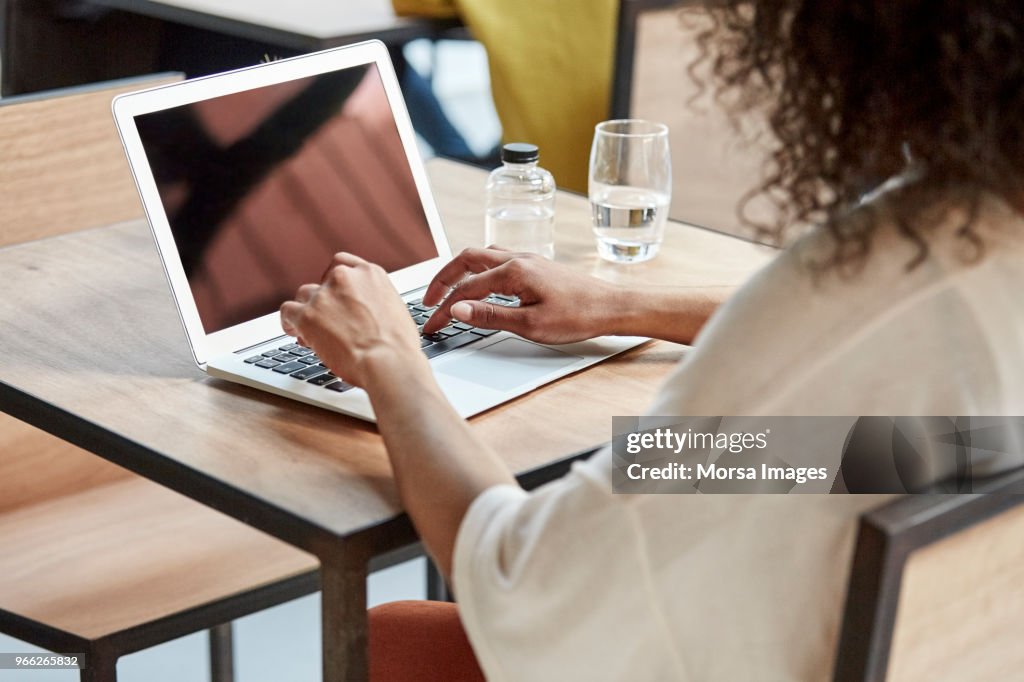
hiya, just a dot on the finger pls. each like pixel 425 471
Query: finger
pixel 477 286
pixel 342 258
pixel 290 314
pixel 306 292
pixel 492 316
pixel 349 259
pixel 468 262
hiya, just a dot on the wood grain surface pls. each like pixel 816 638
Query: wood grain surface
pixel 62 167
pixel 93 331
pixel 116 556
pixel 713 165
pixel 961 606
pixel 36 467
pixel 91 549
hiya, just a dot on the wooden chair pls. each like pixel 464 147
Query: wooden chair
pixel 62 168
pixel 712 165
pixel 99 561
pixel 936 590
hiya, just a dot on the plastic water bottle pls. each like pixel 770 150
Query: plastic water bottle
pixel 521 203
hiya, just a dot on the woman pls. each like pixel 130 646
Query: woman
pixel 902 302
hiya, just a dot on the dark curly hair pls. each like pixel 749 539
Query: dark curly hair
pixel 854 91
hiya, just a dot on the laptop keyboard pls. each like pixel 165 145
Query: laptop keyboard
pixel 302 363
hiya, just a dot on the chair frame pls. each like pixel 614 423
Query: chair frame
pixel 886 538
pixel 101 655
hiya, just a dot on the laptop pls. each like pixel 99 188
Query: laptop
pixel 251 180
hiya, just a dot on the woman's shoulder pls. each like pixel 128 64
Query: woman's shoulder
pixel 803 311
pixel 887 264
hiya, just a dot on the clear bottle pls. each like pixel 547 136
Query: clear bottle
pixel 521 203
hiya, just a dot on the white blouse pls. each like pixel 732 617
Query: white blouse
pixel 571 582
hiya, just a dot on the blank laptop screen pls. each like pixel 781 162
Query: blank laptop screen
pixel 262 187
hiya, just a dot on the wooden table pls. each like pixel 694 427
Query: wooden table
pixel 303 25
pixel 94 354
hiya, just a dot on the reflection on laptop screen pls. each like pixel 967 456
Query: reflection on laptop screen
pixel 262 187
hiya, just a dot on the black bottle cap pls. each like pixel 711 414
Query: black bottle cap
pixel 519 152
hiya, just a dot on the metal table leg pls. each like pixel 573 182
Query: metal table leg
pixel 99 668
pixel 343 614
pixel 222 654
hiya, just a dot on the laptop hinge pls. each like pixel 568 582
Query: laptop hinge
pixel 261 343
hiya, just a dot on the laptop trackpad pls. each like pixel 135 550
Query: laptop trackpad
pixel 507 364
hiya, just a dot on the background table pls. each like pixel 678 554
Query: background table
pixel 303 25
pixel 94 353
pixel 47 44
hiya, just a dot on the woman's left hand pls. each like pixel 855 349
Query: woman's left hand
pixel 356 322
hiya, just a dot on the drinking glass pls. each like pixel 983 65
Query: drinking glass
pixel 630 188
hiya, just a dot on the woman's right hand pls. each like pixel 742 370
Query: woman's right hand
pixel 557 303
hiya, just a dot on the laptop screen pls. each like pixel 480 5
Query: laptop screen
pixel 262 187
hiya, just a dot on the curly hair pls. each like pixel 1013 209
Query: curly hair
pixel 855 90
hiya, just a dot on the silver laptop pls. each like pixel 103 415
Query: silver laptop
pixel 252 180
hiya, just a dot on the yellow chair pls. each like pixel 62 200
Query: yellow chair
pixel 559 68
pixel 551 70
